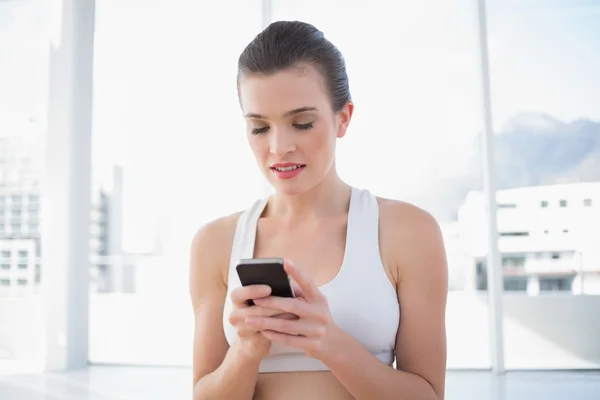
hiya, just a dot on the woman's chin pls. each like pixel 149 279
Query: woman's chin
pixel 288 188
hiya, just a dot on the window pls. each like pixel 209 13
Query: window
pixel 21 282
pixel 556 284
pixel 515 283
pixel 481 275
pixel 23 253
pixel 513 261
pixel 587 202
pixel 513 234
pixel 22 266
pixel 504 205
pixel 414 58
pixel 541 152
pixel 207 103
pixel 24 51
pixel 426 82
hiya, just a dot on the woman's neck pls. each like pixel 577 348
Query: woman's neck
pixel 328 198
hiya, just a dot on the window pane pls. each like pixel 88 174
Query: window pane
pixel 412 68
pixel 170 154
pixel 23 82
pixel 544 60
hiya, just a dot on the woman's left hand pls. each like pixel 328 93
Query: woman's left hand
pixel 314 329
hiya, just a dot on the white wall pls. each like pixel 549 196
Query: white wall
pixel 552 331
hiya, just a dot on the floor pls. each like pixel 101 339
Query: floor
pixel 147 383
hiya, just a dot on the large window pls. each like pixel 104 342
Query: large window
pixel 23 82
pixel 545 58
pixel 170 154
pixel 166 120
pixel 413 76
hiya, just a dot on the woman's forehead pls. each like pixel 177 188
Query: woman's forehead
pixel 283 91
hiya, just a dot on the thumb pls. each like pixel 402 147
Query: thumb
pixel 297 290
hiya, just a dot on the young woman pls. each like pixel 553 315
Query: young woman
pixel 370 273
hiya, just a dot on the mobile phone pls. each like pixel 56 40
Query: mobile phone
pixel 265 271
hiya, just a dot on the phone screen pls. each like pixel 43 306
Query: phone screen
pixel 266 271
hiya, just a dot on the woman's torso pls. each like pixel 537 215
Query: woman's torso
pixel 342 256
pixel 300 385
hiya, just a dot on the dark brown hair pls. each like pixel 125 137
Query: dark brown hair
pixel 287 44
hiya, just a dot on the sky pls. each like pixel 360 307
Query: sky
pixel 545 57
pixel 166 106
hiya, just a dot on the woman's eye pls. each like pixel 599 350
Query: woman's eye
pixel 257 131
pixel 304 126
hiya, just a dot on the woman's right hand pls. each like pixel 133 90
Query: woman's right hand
pixel 252 343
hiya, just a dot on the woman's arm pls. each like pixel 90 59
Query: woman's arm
pixel 219 371
pixel 411 240
pixel 416 247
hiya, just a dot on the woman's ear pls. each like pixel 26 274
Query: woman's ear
pixel 344 118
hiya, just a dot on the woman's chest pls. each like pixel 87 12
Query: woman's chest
pixel 318 250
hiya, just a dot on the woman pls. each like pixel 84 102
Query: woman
pixel 370 273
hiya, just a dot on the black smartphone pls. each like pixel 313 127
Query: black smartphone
pixel 265 271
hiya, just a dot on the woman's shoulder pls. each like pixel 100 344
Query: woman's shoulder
pixel 211 244
pixel 221 230
pixel 399 213
pixel 408 233
pixel 217 229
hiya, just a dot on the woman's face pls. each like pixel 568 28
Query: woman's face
pixel 291 127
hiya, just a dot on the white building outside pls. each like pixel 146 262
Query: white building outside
pixel 21 155
pixel 548 237
pixel 18 266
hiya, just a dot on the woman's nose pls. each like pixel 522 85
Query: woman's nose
pixel 282 143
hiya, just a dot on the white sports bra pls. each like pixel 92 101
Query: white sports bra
pixel 362 300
